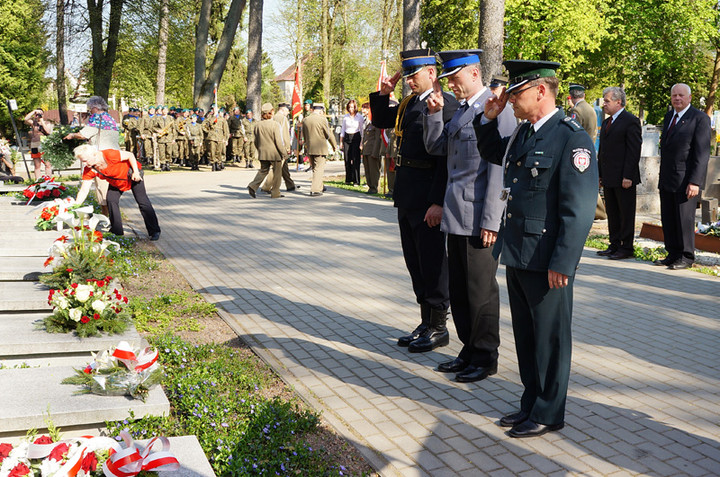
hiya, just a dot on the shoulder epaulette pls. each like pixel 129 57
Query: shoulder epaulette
pixel 572 124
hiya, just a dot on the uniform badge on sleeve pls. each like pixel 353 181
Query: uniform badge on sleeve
pixel 581 159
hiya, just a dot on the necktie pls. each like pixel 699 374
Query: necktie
pixel 529 133
pixel 672 124
pixel 609 123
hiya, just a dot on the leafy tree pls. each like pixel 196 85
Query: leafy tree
pixel 23 58
pixel 104 44
pixel 450 25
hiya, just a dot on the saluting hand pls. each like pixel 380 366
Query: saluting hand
pixel 435 101
pixel 387 85
pixel 495 105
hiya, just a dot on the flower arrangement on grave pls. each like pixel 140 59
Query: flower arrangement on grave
pixel 709 229
pixel 121 371
pixel 45 219
pixel 59 151
pixel 45 188
pixel 81 256
pixel 87 309
pixel 86 456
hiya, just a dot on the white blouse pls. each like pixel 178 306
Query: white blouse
pixel 352 124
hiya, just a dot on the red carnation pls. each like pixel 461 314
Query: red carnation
pixel 5 450
pixel 108 278
pixel 96 316
pixel 43 440
pixel 89 462
pixel 56 193
pixel 125 299
pixel 74 285
pixel 20 470
pixel 100 283
pixel 84 319
pixel 59 452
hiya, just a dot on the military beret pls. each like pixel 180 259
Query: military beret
pixel 455 60
pixel 524 71
pixel 308 101
pixel 415 60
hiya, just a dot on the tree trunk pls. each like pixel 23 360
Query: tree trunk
pixel 492 17
pixel 411 30
pixel 60 60
pixel 712 89
pixel 214 76
pixel 254 70
pixel 103 60
pixel 162 51
pixel 201 38
pixel 325 45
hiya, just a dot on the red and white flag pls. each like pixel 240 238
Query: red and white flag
pixel 297 95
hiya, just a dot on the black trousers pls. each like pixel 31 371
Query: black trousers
pixel 620 207
pixel 541 319
pixel 677 213
pixel 424 251
pixel 351 152
pixel 143 202
pixel 474 299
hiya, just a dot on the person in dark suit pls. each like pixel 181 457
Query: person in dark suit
pixel 618 158
pixel 550 184
pixel 418 195
pixel 684 155
pixel 471 215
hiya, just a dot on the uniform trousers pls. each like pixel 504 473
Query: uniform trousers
pixel 373 165
pixel 351 153
pixel 237 146
pixel 143 202
pixel 677 213
pixel 164 153
pixel 474 299
pixel 317 163
pixel 250 151
pixel 620 208
pixel 182 152
pixel 425 257
pixel 215 151
pixel 541 319
pixel 287 178
pixel 263 172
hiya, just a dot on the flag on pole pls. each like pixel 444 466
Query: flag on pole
pixel 297 95
pixel 215 95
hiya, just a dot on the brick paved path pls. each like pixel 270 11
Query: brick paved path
pixel 319 288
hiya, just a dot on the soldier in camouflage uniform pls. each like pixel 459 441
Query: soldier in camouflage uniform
pixel 145 130
pixel 181 140
pixel 216 130
pixel 195 136
pixel 164 131
pixel 249 150
pixel 129 124
pixel 237 135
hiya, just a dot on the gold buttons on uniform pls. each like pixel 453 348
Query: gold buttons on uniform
pixel 509 197
pixel 509 215
pixel 544 230
pixel 515 180
pixel 536 163
pixel 519 163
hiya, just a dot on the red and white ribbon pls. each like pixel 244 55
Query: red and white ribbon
pixel 140 362
pixel 132 459
pixel 72 466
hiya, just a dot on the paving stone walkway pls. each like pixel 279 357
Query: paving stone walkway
pixel 319 288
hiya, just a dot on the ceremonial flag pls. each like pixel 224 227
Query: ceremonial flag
pixel 297 95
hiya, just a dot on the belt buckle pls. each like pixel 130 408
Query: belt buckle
pixel 398 161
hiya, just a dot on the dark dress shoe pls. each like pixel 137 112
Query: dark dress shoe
pixel 512 420
pixel 315 194
pixel 430 340
pixel 454 366
pixel 405 341
pixel 680 265
pixel 620 255
pixel 665 261
pixel 251 192
pixel 154 237
pixel 607 252
pixel 529 428
pixel 475 373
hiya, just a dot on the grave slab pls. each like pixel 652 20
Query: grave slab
pixel 22 340
pixel 22 268
pixel 23 296
pixel 30 393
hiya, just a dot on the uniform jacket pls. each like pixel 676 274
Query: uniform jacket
pixel 619 152
pixel 195 133
pixel 282 120
pixel 584 114
pixel 249 128
pixel 474 185
pixel 145 126
pixel 415 188
pixel 214 129
pixel 164 125
pixel 316 134
pixel 552 177
pixel 372 142
pixel 235 125
pixel 684 151
pixel 268 141
pixel 181 124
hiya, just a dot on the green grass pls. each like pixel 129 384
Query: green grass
pixel 362 188
pixel 176 311
pixel 129 260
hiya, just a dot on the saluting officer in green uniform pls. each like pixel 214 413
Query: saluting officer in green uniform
pixel 581 111
pixel 551 177
pixel 249 147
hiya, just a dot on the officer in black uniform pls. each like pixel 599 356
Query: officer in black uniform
pixel 418 195
pixel 550 181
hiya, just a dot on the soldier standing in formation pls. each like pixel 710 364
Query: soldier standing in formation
pixel 194 132
pixel 163 130
pixel 146 136
pixel 216 130
pixel 249 150
pixel 237 135
pixel 181 122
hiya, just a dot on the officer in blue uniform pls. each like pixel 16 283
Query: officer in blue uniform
pixel 418 195
pixel 551 177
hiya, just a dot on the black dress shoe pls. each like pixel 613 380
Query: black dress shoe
pixel 681 264
pixel 154 237
pixel 620 255
pixel 475 373
pixel 454 366
pixel 607 252
pixel 405 341
pixel 251 191
pixel 529 428
pixel 512 420
pixel 665 261
pixel 430 340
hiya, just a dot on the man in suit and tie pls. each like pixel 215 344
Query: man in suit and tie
pixel 550 178
pixel 471 214
pixel 618 159
pixel 418 194
pixel 684 155
pixel 316 134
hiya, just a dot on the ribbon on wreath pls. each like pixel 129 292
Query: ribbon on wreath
pixel 70 468
pixel 140 362
pixel 132 459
